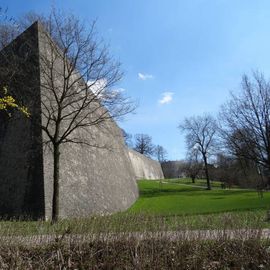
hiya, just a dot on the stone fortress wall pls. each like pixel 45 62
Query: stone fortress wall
pixel 93 180
pixel 21 157
pixel 144 167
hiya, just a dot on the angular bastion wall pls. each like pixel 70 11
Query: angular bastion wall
pixel 144 167
pixel 93 180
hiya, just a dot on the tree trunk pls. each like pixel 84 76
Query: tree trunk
pixel 193 179
pixel 267 175
pixel 55 202
pixel 206 172
pixel 268 182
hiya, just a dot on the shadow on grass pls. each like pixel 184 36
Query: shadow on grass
pixel 217 194
pixel 156 192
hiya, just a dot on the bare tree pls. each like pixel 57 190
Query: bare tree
pixel 246 122
pixel 144 145
pixel 200 135
pixel 9 28
pixel 160 153
pixel 78 76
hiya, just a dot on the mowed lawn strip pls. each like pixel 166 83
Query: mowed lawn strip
pixel 174 199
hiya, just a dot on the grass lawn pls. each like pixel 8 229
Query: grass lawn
pixel 198 182
pixel 169 206
pixel 175 199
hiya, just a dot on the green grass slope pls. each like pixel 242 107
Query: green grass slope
pixel 177 199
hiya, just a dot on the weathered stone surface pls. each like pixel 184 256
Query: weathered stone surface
pixel 92 180
pixel 145 168
pixel 21 158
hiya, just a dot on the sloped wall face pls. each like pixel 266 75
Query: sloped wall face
pixel 145 168
pixel 92 180
pixel 21 164
pixel 95 179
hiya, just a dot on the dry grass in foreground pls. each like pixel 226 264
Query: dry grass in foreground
pixel 122 252
pixel 126 241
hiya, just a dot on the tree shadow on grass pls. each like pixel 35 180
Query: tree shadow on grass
pixel 158 192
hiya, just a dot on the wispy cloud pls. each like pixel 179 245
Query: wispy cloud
pixel 145 76
pixel 167 97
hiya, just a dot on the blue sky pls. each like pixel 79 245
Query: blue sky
pixel 180 58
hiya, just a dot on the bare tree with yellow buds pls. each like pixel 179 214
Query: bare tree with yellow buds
pixel 8 103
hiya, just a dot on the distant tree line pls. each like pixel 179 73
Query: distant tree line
pixel 234 146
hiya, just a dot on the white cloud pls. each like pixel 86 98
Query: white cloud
pixel 99 88
pixel 119 90
pixel 166 98
pixel 115 92
pixel 145 77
